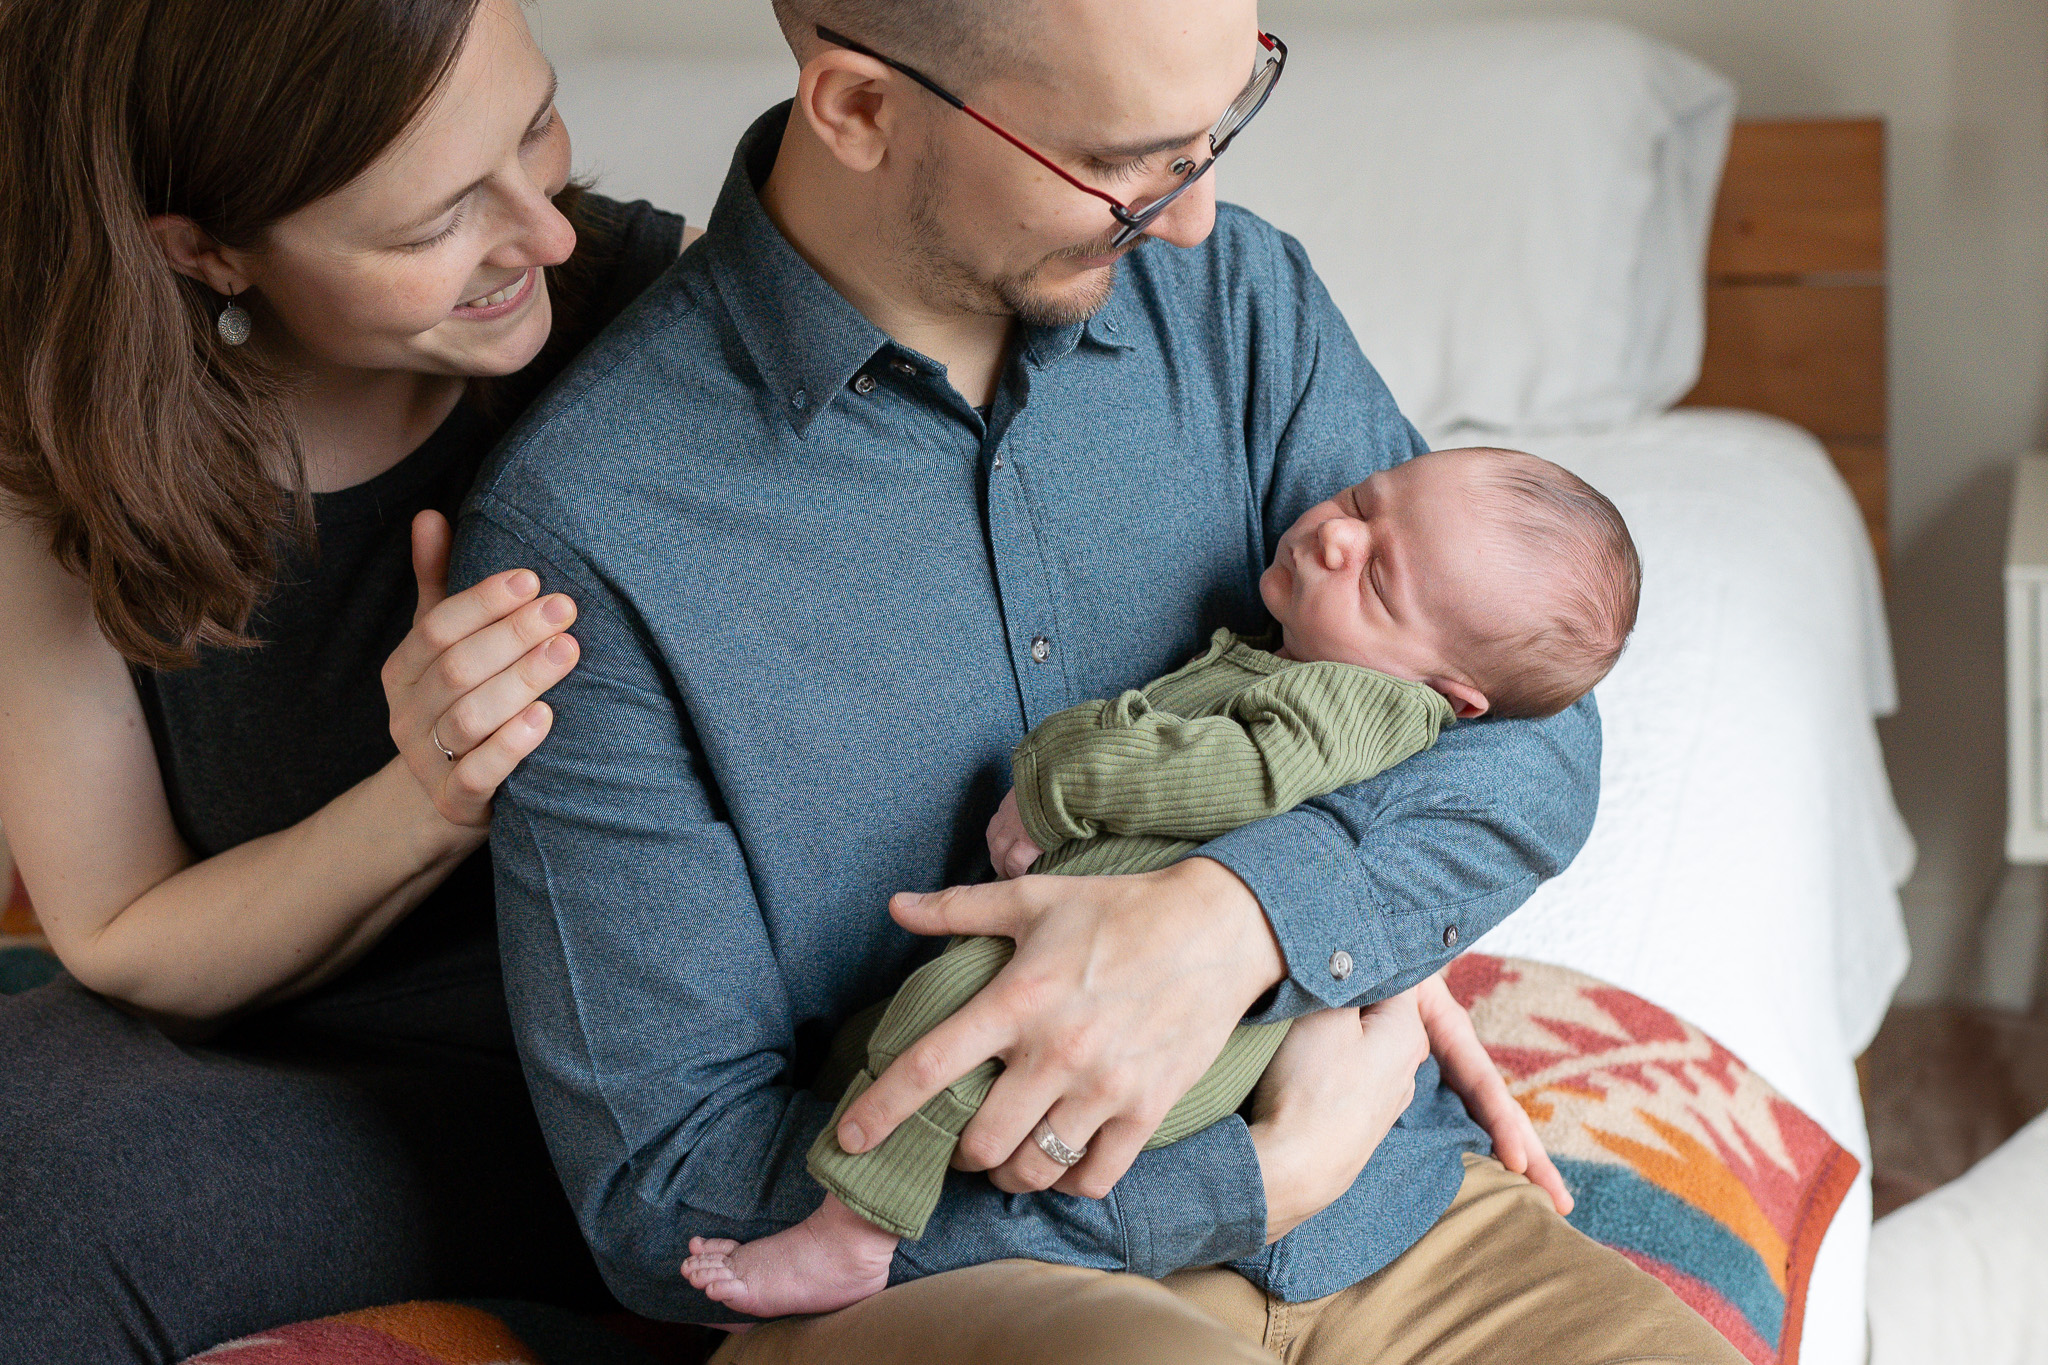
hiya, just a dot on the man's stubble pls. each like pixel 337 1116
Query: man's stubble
pixel 948 280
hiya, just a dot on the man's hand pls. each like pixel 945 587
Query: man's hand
pixel 1122 993
pixel 1469 1071
pixel 1009 846
pixel 1329 1096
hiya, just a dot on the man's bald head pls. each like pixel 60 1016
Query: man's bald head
pixel 956 42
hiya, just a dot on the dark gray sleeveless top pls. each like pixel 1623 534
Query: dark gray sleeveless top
pixel 252 741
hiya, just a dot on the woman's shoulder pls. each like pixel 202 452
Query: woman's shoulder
pixel 32 579
pixel 50 613
pixel 628 246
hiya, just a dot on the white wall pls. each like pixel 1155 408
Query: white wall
pixel 1964 86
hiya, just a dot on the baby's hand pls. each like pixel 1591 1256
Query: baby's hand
pixel 1009 847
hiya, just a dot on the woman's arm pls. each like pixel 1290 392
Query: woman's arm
pixel 1468 1069
pixel 128 909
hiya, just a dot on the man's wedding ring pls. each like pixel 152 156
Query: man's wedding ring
pixel 1049 1143
pixel 435 735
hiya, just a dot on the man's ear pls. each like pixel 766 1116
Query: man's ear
pixel 848 100
pixel 1466 700
pixel 194 253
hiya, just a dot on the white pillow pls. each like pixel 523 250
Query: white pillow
pixel 1512 214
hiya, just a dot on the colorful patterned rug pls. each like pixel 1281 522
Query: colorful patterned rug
pixel 1680 1157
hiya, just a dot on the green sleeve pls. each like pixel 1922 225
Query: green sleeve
pixel 1124 767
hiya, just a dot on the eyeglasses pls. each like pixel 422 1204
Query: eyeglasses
pixel 1132 219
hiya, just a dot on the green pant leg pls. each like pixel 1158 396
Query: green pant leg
pixel 1225 1084
pixel 895 1184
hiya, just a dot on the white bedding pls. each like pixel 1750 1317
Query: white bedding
pixel 1743 869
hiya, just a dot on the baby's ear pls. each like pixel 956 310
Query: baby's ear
pixel 1466 700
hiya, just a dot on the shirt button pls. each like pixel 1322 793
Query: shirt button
pixel 1451 936
pixel 799 400
pixel 864 385
pixel 1340 965
pixel 998 464
pixel 1041 650
pixel 904 367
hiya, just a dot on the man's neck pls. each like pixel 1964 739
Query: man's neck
pixel 830 215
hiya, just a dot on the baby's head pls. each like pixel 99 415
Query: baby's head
pixel 1502 581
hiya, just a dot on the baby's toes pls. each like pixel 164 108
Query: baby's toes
pixel 725 1289
pixel 702 1272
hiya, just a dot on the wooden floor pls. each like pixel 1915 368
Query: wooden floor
pixel 1943 1086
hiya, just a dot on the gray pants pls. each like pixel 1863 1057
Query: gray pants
pixel 157 1199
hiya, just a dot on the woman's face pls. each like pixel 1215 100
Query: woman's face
pixel 431 261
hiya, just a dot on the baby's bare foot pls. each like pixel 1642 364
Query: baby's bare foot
pixel 833 1258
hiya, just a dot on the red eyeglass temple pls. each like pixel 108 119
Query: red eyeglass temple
pixel 1117 207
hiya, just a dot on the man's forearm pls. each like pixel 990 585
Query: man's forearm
pixel 1372 888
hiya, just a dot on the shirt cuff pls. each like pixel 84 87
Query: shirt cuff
pixel 1308 879
pixel 1201 1201
pixel 1024 782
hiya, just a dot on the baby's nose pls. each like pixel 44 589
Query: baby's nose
pixel 1339 538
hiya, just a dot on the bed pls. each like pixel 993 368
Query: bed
pixel 1528 226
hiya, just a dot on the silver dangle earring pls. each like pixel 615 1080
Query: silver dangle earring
pixel 234 322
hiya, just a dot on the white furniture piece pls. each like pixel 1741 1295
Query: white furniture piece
pixel 2010 942
pixel 2026 664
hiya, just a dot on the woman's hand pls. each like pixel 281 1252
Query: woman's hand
pixel 1469 1071
pixel 1009 846
pixel 469 676
pixel 1328 1097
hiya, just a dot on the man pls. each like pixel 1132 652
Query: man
pixel 912 452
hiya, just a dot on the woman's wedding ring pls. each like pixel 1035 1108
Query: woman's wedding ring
pixel 1049 1143
pixel 435 735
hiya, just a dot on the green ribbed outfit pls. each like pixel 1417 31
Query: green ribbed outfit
pixel 1125 786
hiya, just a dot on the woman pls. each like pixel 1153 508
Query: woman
pixel 279 1080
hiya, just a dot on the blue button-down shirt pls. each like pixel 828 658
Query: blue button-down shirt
pixel 822 599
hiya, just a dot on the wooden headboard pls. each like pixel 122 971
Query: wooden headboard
pixel 1796 293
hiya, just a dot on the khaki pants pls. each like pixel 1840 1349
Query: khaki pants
pixel 1500 1278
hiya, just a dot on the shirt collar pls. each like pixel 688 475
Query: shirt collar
pixel 806 339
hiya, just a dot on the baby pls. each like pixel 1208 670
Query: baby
pixel 1460 584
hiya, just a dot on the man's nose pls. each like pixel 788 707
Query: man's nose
pixel 1190 219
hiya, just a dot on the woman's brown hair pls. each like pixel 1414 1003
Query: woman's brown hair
pixel 161 464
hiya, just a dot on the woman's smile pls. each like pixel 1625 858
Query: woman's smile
pixel 505 302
